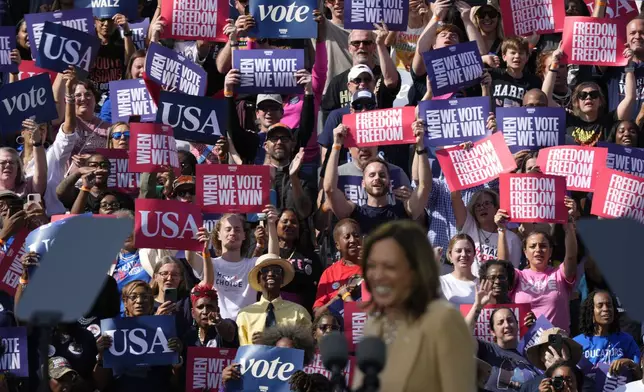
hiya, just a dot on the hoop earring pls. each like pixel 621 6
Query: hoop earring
pixel 20 140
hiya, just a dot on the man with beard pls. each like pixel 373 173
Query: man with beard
pixel 269 275
pixel 376 181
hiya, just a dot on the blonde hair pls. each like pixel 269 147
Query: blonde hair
pixel 133 285
pixel 110 143
pixel 216 243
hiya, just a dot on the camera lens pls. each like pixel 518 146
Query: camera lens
pixel 558 384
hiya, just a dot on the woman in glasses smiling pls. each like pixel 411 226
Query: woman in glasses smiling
pixel 119 136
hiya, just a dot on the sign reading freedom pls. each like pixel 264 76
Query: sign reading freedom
pixel 618 195
pixel 380 127
pixel 594 41
pixel 195 19
pixel 533 197
pixel 580 165
pixel 527 17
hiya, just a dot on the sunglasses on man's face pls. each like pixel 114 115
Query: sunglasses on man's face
pixel 359 80
pixel 489 13
pixel 118 135
pixel 276 270
pixel 102 165
pixel 186 192
pixel 328 327
pixel 360 106
pixel 282 138
pixel 588 95
pixel 356 44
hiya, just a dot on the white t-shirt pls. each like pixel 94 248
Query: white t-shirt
pixel 486 245
pixel 635 386
pixel 456 291
pixel 231 283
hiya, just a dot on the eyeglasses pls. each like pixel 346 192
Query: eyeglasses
pixel 173 275
pixel 86 95
pixel 500 278
pixel 485 204
pixel 8 163
pixel 489 13
pixel 356 44
pixel 118 135
pixel 102 165
pixel 328 327
pixel 282 138
pixel 186 192
pixel 269 108
pixel 275 269
pixel 359 80
pixel 363 106
pixel 115 205
pixel 584 95
pixel 105 20
pixel 141 297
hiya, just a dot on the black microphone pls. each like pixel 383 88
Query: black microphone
pixel 335 355
pixel 371 355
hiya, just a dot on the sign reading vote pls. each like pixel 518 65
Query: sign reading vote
pixel 10 265
pixel 7 44
pixel 195 119
pixel 269 71
pixel 26 98
pixel 14 354
pixel 580 165
pixel 528 128
pixel 594 41
pixel 139 32
pixel 454 67
pixel 362 14
pixel 524 18
pixel 195 20
pixel 533 197
pixel 80 19
pixel 171 70
pixel 63 46
pixel 265 368
pixel 380 127
pixel 121 178
pixel 628 160
pixel 103 9
pixel 131 98
pixel 284 18
pixel 167 224
pixel 205 366
pixel 152 148
pixel 233 188
pixel 139 341
pixel 450 122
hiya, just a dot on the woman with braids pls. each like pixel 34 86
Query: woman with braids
pixel 601 338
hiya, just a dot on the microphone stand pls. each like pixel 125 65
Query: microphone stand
pixel 371 382
pixel 337 379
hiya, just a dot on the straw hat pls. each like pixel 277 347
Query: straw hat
pixel 533 352
pixel 265 261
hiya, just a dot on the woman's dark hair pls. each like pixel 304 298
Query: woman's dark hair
pixel 521 164
pixel 413 241
pixel 491 321
pixel 612 135
pixel 302 382
pixel 547 235
pixel 587 314
pixel 509 270
pixel 299 226
pixel 323 314
pixel 90 87
pixel 299 335
pixel 108 302
pixel 579 376
pixel 136 55
pixel 191 168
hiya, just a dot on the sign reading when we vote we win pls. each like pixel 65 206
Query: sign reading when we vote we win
pixel 205 366
pixel 594 41
pixel 454 67
pixel 533 197
pixel 529 128
pixel 618 195
pixel 362 14
pixel 7 44
pixel 152 148
pixel 233 188
pixel 451 122
pixel 195 20
pixel 268 71
pixel 527 17
pixel 628 160
pixel 380 127
pixel 131 98
pixel 171 70
pixel 167 224
pixel 120 178
pixel 80 19
pixel 580 165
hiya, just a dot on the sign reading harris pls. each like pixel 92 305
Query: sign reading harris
pixel 533 197
pixel 7 44
pixel 139 340
pixel 454 67
pixel 618 195
pixel 14 356
pixel 195 119
pixel 628 160
pixel 284 18
pixel 169 69
pixel 167 224
pixel 529 128
pixel 380 127
pixel 594 41
pixel 265 368
pixel 580 165
pixel 152 148
pixel 450 122
pixel 195 20
pixel 131 98
pixel 233 188
pixel 269 71
pixel 21 100
pixel 205 366
pixel 524 18
pixel 62 46
pixel 103 9
pixel 362 14
pixel 80 19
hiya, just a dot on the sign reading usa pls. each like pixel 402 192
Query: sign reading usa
pixel 195 119
pixel 167 224
pixel 131 98
pixel 268 71
pixel 169 69
pixel 233 188
pixel 26 98
pixel 265 368
pixel 284 18
pixel 139 341
pixel 63 46
pixel 80 19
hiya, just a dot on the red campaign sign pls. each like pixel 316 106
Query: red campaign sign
pixel 618 195
pixel 152 146
pixel 594 41
pixel 121 178
pixel 10 265
pixel 355 319
pixel 55 218
pixel 527 17
pixel 533 197
pixel 241 189
pixel 318 367
pixel 482 327
pixel 167 224
pixel 482 163
pixel 205 366
pixel 380 127
pixel 623 10
pixel 580 165
pixel 195 20
pixel 27 69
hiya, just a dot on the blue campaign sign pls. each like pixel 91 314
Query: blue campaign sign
pixel 195 119
pixel 131 98
pixel 284 18
pixel 530 128
pixel 362 14
pixel 269 71
pixel 62 46
pixel 265 368
pixel 355 192
pixel 21 100
pixel 449 122
pixel 7 44
pixel 169 69
pixel 454 67
pixel 534 333
pixel 139 32
pixel 107 8
pixel 139 341
pixel 80 19
pixel 14 356
pixel 625 159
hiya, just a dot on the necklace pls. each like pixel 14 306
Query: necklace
pixel 390 331
pixel 487 237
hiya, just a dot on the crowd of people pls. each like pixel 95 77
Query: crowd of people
pixel 426 262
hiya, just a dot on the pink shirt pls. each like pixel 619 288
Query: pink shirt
pixel 548 292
